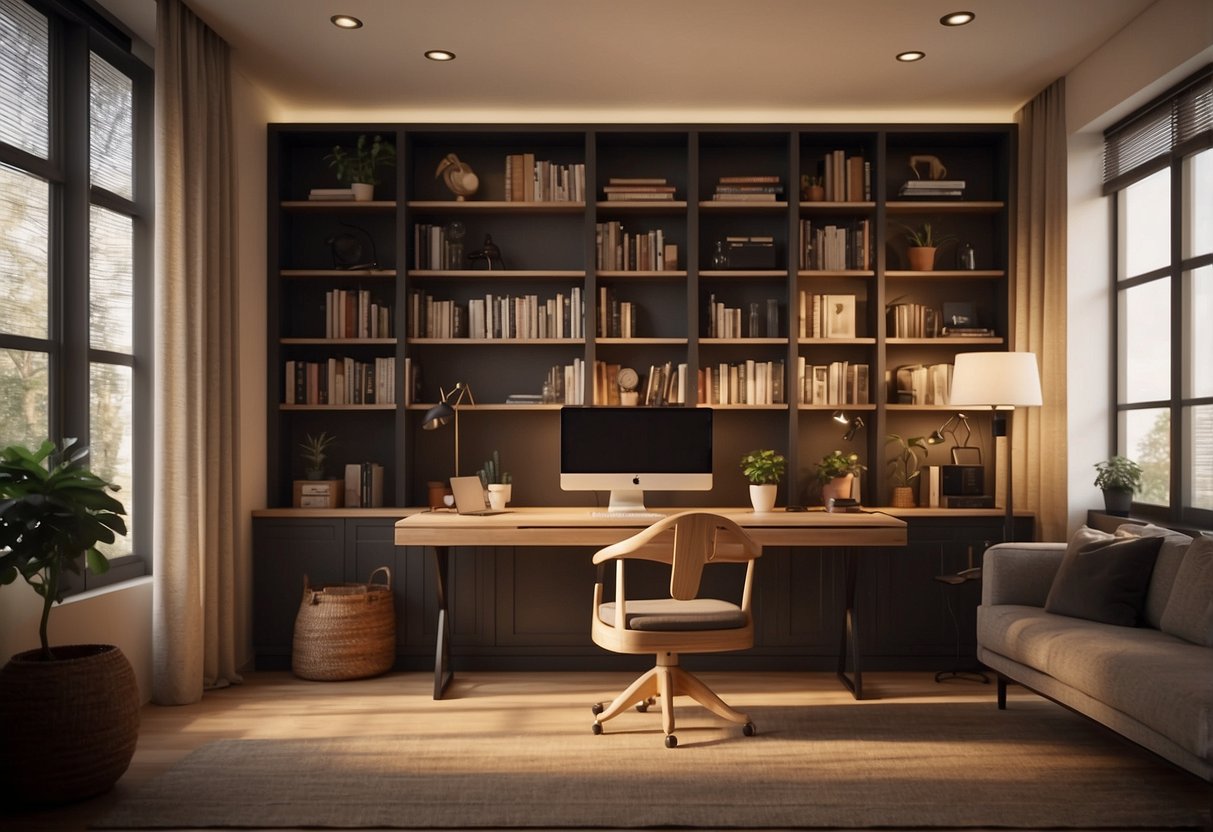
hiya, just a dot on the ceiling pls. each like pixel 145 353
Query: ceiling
pixel 654 58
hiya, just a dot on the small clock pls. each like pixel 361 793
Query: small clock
pixel 628 380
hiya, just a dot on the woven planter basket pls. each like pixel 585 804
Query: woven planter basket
pixel 345 631
pixel 69 726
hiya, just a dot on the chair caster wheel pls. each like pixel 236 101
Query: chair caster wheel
pixel 597 728
pixel 671 741
pixel 748 729
pixel 642 706
pixel 597 708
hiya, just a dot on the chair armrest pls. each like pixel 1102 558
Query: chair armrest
pixel 1020 573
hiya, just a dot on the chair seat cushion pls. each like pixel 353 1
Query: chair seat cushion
pixel 673 615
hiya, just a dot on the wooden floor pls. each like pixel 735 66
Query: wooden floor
pixel 278 705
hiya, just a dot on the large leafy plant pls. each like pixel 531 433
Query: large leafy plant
pixel 763 467
pixel 1118 473
pixel 53 513
pixel 904 467
pixel 360 164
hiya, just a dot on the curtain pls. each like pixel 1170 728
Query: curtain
pixel 1038 303
pixel 196 597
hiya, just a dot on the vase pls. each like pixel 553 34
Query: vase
pixel 922 258
pixel 362 191
pixel 762 497
pixel 499 495
pixel 902 497
pixel 837 487
pixel 814 193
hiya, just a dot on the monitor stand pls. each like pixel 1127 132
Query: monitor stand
pixel 626 500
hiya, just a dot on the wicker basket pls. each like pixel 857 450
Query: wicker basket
pixel 345 631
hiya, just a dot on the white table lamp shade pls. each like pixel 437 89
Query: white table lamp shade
pixel 996 379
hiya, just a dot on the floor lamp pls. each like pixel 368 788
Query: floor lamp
pixel 1001 381
pixel 447 410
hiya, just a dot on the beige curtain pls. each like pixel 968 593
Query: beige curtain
pixel 196 553
pixel 1038 302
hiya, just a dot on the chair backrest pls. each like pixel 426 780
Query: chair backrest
pixel 687 541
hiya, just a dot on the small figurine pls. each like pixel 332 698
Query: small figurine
pixel 458 176
pixel 488 254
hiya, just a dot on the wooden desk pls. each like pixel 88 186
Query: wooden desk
pixel 578 526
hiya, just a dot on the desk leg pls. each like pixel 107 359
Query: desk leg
pixel 850 630
pixel 442 655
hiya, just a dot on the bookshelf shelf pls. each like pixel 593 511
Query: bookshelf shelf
pixel 641 342
pixel 498 274
pixel 944 341
pixel 837 207
pixel 671 274
pixel 359 342
pixel 353 206
pixel 834 407
pixel 500 206
pixel 823 341
pixel 505 342
pixel 745 406
pixel 333 408
pixel 339 274
pixel 818 273
pixel 749 342
pixel 489 407
pixel 654 206
pixel 955 206
pixel 741 206
pixel 760 273
pixel 946 274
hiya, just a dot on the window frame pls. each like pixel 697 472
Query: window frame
pixel 1179 509
pixel 75 32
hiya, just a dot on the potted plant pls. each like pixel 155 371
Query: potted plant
pixel 903 468
pixel 313 451
pixel 1120 479
pixel 498 483
pixel 763 468
pixel 811 188
pixel 69 715
pixel 923 241
pixel 357 167
pixel 836 472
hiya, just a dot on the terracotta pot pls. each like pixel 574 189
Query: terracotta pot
pixel 814 193
pixel 837 487
pixel 921 259
pixel 762 497
pixel 363 192
pixel 902 497
pixel 69 725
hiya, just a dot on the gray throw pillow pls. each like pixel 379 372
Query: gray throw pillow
pixel 1166 567
pixel 1189 612
pixel 1104 580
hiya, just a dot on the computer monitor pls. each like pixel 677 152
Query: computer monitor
pixel 628 450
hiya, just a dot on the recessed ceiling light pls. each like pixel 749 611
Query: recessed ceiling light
pixel 957 18
pixel 440 55
pixel 908 57
pixel 345 21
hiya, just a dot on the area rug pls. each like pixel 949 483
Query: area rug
pixel 934 765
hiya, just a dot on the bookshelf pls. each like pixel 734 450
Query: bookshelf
pixel 739 186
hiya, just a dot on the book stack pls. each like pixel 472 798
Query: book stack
pixel 616 318
pixel 845 178
pixel 638 189
pixel 331 194
pixel 364 485
pixel 911 320
pixel 528 179
pixel 920 188
pixel 340 381
pixel 759 188
pixel 645 251
pixel 748 382
pixel 727 321
pixel 833 247
pixel 836 383
pixel 826 316
pixel 567 382
pixel 665 385
pixel 350 313
pixel 922 384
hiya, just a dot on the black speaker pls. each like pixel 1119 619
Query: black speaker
pixel 963 480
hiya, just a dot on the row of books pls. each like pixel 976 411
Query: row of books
pixel 745 382
pixel 836 383
pixel 616 318
pixel 918 320
pixel 619 250
pixel 915 188
pixel 528 179
pixel 340 381
pixel 350 313
pixel 826 316
pixel 434 250
pixel 522 317
pixel 921 384
pixel 834 247
pixel 727 321
pixel 364 485
pixel 665 384
pixel 567 383
pixel 620 189
pixel 845 178
pixel 755 188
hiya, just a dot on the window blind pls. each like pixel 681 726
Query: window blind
pixel 1180 115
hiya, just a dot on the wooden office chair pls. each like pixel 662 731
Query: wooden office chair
pixel 684 622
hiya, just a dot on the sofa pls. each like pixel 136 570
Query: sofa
pixel 1118 627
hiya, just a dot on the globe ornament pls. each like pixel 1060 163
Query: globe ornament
pixel 457 176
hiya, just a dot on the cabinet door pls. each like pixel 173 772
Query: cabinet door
pixel 370 544
pixel 285 554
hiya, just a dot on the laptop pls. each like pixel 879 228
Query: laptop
pixel 470 499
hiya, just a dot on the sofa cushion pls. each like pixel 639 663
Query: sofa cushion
pixel 1156 678
pixel 1189 612
pixel 1104 580
pixel 1166 566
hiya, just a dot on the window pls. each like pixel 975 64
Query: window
pixel 1159 169
pixel 75 250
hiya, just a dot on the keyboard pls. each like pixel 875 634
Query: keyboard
pixel 626 515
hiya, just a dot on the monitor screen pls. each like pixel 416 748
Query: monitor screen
pixel 628 450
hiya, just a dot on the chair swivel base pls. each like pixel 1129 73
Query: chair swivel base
pixel 666 681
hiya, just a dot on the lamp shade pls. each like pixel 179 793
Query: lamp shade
pixel 437 416
pixel 996 379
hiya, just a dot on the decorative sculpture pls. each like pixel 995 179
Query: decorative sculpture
pixel 489 254
pixel 457 176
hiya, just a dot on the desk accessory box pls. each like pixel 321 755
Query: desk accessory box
pixel 318 493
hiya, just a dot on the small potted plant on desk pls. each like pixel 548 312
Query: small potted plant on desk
pixel 1120 479
pixel 836 472
pixel 498 483
pixel 69 716
pixel 357 167
pixel 903 468
pixel 764 469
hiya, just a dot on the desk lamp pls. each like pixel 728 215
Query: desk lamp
pixel 447 410
pixel 969 455
pixel 1000 381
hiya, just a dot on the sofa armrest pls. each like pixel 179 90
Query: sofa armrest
pixel 1019 573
